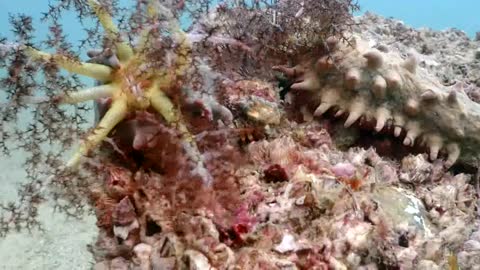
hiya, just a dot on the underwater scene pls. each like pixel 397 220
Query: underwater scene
pixel 239 134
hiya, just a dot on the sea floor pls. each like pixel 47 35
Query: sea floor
pixel 63 244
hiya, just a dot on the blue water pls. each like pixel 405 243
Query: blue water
pixel 436 14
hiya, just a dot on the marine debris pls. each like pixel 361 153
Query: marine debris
pixel 217 145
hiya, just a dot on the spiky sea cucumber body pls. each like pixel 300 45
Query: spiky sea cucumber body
pixel 381 85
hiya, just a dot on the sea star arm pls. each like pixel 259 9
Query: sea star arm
pixel 183 54
pixel 91 93
pixel 124 51
pixel 96 71
pixel 163 105
pixel 182 62
pixel 153 13
pixel 114 115
pixel 161 102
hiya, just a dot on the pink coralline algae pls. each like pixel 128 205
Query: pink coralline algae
pixel 344 170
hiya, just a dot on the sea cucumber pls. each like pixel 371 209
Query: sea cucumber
pixel 394 94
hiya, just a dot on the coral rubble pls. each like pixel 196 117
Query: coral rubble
pixel 302 205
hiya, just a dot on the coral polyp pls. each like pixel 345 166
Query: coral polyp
pixel 130 83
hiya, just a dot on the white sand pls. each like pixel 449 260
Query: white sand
pixel 61 246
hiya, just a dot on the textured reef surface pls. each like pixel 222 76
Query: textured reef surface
pixel 287 146
pixel 304 204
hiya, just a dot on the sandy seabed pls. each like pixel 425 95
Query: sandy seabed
pixel 63 244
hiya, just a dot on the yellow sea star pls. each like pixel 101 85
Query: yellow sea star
pixel 131 87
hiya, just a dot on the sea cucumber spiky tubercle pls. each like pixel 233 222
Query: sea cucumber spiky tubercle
pixel 382 85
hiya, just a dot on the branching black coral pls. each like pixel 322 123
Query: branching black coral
pixel 151 58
